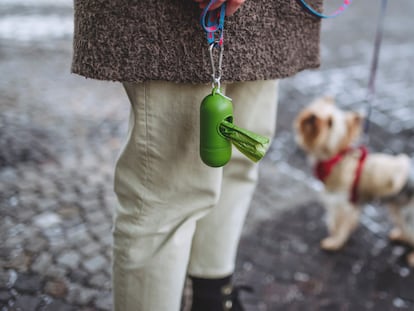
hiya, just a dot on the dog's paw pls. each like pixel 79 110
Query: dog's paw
pixel 410 259
pixel 331 244
pixel 396 235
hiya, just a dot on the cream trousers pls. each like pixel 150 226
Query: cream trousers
pixel 175 214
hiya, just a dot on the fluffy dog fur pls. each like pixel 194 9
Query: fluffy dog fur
pixel 322 131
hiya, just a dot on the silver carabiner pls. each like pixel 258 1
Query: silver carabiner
pixel 216 78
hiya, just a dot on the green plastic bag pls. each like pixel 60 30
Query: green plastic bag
pixel 252 145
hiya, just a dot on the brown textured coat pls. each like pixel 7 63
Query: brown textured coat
pixel 139 40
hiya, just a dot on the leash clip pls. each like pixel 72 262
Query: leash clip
pixel 216 74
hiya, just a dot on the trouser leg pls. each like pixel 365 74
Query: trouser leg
pixel 163 188
pixel 217 235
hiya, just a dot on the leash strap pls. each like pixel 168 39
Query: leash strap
pixel 374 65
pixel 312 11
pixel 213 23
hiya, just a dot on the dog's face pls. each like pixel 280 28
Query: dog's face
pixel 323 130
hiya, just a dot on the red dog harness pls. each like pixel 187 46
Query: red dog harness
pixel 324 168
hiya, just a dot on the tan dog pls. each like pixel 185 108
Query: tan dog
pixel 351 176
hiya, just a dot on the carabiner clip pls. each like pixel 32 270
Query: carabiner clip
pixel 216 75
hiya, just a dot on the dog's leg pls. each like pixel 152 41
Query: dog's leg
pixel 410 259
pixel 397 235
pixel 333 218
pixel 332 203
pixel 343 223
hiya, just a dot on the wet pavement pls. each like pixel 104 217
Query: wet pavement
pixel 60 134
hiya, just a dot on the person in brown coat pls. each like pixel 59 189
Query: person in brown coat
pixel 176 216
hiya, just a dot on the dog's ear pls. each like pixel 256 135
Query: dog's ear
pixel 309 126
pixel 355 119
pixel 354 125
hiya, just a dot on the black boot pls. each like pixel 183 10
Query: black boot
pixel 215 295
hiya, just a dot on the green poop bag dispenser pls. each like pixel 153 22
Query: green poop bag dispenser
pixel 215 149
pixel 217 132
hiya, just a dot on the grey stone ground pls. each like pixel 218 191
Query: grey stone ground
pixel 59 136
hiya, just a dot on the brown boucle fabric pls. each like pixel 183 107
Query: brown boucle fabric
pixel 139 40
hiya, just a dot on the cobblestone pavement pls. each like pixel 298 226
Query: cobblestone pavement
pixel 60 134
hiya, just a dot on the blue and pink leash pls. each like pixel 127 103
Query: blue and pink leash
pixel 337 12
